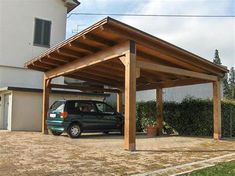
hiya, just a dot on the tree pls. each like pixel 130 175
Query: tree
pixel 216 59
pixel 226 87
pixel 228 83
pixel 232 82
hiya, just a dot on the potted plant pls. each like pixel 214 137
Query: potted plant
pixel 150 125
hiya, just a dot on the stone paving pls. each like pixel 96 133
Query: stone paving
pixel 31 153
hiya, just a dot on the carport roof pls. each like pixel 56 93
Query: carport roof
pixel 108 33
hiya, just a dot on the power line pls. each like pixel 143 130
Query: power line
pixel 152 15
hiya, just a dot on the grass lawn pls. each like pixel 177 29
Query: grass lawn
pixel 222 169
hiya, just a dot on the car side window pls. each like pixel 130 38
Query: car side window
pixel 72 107
pixel 104 108
pixel 86 107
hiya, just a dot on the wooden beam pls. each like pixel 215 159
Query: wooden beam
pixel 96 58
pixel 67 52
pixel 130 98
pixel 217 109
pixel 101 70
pixel 119 102
pixel 101 77
pixel 156 76
pixel 85 47
pixel 166 60
pixel 99 40
pixel 171 83
pixel 41 65
pixel 123 60
pixel 94 80
pixel 170 51
pixel 45 103
pixel 159 103
pixel 84 88
pixel 58 59
pixel 175 71
pixel 47 61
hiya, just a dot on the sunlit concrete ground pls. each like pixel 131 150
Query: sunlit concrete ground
pixel 28 153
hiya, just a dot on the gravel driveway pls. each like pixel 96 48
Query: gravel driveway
pixel 31 153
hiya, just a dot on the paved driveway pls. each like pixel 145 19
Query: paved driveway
pixel 27 153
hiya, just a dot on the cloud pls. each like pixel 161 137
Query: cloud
pixel 198 35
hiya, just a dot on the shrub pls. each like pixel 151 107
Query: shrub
pixel 191 116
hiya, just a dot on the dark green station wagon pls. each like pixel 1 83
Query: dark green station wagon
pixel 78 116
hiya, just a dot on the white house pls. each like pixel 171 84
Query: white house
pixel 28 28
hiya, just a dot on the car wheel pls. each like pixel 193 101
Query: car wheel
pixel 56 133
pixel 74 131
pixel 106 132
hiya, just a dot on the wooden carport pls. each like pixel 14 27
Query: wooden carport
pixel 128 60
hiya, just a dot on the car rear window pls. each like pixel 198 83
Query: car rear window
pixel 58 106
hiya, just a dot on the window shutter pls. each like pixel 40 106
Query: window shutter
pixel 46 33
pixel 38 31
pixel 42 32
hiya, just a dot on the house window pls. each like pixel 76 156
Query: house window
pixel 42 32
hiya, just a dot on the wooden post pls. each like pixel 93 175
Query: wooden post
pixel 130 98
pixel 119 102
pixel 45 101
pixel 217 109
pixel 159 103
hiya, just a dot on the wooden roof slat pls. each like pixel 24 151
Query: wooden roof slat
pixel 50 62
pixel 100 70
pixel 171 83
pixel 95 80
pixel 177 71
pixel 95 76
pixel 86 53
pixel 160 52
pixel 157 41
pixel 89 60
pixel 70 53
pixel 58 59
pixel 85 47
pixel 162 56
pixel 100 40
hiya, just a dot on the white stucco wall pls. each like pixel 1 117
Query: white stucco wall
pixel 17 18
pixel 27 108
pixel 22 77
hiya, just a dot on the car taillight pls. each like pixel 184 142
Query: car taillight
pixel 63 115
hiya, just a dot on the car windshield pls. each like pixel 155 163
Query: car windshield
pixel 58 106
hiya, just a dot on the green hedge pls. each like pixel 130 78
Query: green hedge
pixel 191 116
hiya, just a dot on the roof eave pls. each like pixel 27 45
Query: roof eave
pixel 71 4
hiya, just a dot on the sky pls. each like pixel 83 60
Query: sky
pixel 198 35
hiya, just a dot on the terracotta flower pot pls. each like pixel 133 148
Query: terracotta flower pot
pixel 151 131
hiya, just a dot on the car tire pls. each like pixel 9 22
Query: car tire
pixel 74 130
pixel 56 133
pixel 106 132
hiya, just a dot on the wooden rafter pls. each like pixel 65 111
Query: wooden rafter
pixel 84 88
pixel 98 77
pixel 175 71
pixel 171 83
pixel 99 40
pixel 96 58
